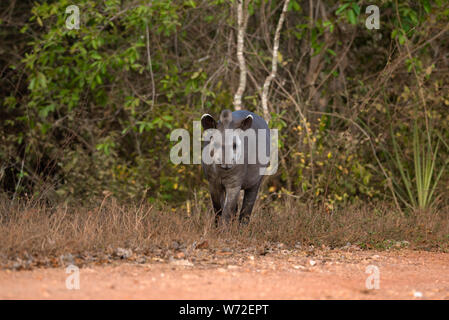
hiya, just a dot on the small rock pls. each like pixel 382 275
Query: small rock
pixel 232 267
pixel 417 294
pixel 175 245
pixel 264 251
pixel 180 255
pixel 67 259
pixel 182 262
pixel 202 245
pixel 141 260
pixel 310 250
pixel 123 253
pixel 299 267
pixel 312 262
pixel 17 265
pixel 350 247
pixel 224 252
pixel 401 244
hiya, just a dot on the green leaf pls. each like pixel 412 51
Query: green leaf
pixel 293 6
pixel 191 3
pixel 332 52
pixel 32 84
pixel 426 5
pixel 96 56
pixel 351 16
pixel 356 9
pixel 43 113
pixel 42 80
pixel 342 8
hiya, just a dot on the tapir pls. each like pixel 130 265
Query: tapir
pixel 231 161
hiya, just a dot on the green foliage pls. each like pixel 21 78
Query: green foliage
pixel 419 184
pixel 350 10
pixel 89 112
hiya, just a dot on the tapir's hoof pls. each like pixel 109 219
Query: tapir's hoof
pixel 224 223
pixel 244 221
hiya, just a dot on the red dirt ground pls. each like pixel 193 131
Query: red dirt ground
pixel 287 274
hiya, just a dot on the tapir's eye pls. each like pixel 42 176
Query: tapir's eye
pixel 212 153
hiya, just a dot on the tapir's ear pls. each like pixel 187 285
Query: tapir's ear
pixel 247 122
pixel 208 122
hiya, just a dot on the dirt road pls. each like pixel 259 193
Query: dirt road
pixel 286 274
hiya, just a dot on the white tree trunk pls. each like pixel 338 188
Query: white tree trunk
pixel 272 75
pixel 242 19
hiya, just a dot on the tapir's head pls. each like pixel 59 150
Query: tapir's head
pixel 225 147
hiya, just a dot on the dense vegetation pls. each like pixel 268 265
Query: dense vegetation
pixel 363 114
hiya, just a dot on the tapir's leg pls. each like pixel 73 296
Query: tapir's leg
pixel 230 205
pixel 248 203
pixel 217 195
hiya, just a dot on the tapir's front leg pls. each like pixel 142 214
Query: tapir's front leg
pixel 217 195
pixel 248 203
pixel 230 205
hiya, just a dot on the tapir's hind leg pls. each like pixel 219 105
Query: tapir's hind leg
pixel 248 203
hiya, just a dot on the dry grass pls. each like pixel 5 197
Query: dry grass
pixel 38 230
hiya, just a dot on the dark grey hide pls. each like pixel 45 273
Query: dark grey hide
pixel 226 180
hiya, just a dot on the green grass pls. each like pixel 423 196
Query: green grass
pixel 417 190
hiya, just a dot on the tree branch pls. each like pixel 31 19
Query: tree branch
pixel 272 75
pixel 242 19
pixel 153 89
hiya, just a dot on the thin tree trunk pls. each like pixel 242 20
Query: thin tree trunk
pixel 242 19
pixel 272 75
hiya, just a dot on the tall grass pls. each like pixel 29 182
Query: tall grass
pixel 419 181
pixel 42 230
